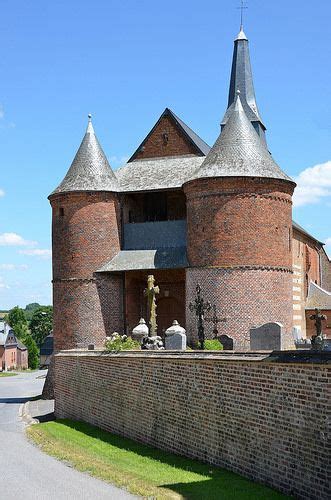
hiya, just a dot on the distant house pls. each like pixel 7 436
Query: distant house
pixel 13 354
pixel 46 351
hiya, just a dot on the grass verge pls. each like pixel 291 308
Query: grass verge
pixel 141 469
pixel 7 374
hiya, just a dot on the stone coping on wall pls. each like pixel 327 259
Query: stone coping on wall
pixel 298 356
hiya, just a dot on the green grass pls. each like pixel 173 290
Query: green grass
pixel 7 374
pixel 141 469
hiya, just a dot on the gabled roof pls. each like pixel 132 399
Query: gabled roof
pixel 318 297
pixel 8 338
pixel 239 152
pixel 196 140
pixel 199 145
pixel 90 170
pixel 302 230
pixel 21 346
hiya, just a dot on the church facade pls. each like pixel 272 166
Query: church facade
pixel 189 214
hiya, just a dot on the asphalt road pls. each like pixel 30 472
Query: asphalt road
pixel 26 472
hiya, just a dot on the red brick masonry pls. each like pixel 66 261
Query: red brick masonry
pixel 264 420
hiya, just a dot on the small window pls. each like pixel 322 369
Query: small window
pixel 61 212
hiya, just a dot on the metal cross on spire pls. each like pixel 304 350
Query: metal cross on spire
pixel 242 7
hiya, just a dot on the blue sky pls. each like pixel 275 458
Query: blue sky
pixel 125 62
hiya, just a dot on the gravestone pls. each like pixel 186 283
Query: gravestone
pixel 266 337
pixel 227 342
pixel 175 337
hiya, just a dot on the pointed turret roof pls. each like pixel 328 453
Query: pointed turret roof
pixel 239 151
pixel 90 170
pixel 242 79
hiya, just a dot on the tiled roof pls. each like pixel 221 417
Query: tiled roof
pixel 21 346
pixel 239 151
pixel 90 170
pixel 129 260
pixel 200 143
pixel 302 230
pixel 318 297
pixel 157 173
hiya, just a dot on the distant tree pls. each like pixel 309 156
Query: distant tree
pixel 21 330
pixel 30 309
pixel 16 317
pixel 33 351
pixel 41 323
pixel 32 306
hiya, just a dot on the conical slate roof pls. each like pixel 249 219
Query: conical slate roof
pixel 239 151
pixel 90 170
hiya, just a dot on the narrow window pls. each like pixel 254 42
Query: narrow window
pixel 61 212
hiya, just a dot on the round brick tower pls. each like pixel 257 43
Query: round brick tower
pixel 85 235
pixel 239 233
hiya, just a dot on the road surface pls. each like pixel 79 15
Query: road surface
pixel 29 474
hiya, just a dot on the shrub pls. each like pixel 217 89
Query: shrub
pixel 118 342
pixel 213 345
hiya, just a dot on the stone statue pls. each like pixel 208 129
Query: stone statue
pixel 152 344
pixel 150 293
pixel 317 341
pixel 318 317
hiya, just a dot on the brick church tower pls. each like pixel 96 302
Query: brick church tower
pixel 85 232
pixel 239 219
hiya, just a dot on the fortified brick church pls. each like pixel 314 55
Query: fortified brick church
pixel 187 213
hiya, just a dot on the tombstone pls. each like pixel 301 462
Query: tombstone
pixel 227 342
pixel 266 337
pixel 140 331
pixel 175 337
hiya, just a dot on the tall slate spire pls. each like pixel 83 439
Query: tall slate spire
pixel 90 170
pixel 242 79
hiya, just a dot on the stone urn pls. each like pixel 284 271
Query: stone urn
pixel 175 337
pixel 140 331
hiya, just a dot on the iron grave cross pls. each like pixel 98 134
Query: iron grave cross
pixel 200 307
pixel 150 293
pixel 215 320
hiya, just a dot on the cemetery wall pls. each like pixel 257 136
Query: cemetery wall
pixel 263 418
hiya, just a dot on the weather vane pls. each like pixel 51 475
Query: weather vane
pixel 242 7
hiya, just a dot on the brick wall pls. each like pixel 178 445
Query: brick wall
pixel 246 298
pixel 85 235
pixel 325 270
pixel 264 420
pixel 239 221
pixel 166 139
